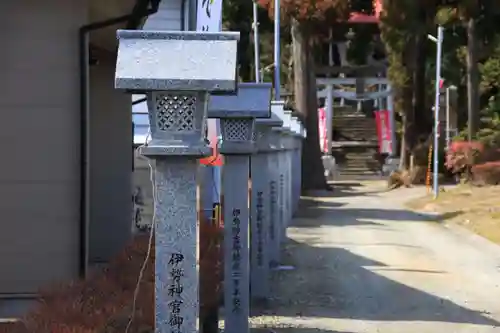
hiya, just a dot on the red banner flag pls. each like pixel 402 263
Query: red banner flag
pixel 383 131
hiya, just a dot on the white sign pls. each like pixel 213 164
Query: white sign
pixel 209 18
pixel 209 15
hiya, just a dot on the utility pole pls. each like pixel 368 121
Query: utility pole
pixel 439 42
pixel 256 41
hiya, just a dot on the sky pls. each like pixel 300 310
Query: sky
pixel 140 120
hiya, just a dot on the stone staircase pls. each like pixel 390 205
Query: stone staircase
pixel 355 144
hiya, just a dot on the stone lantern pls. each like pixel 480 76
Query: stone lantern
pixel 261 212
pixel 277 176
pixel 237 116
pixel 176 71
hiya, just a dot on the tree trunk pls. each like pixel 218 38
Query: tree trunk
pixel 472 79
pixel 313 176
pixel 409 125
pixel 423 122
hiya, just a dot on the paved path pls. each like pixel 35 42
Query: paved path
pixel 364 264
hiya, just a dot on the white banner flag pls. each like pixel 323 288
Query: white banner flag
pixel 209 18
pixel 209 15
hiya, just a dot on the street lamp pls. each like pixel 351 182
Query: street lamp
pixel 439 42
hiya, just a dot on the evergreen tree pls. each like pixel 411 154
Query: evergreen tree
pixel 310 21
pixel 404 27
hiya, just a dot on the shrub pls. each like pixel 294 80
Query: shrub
pixel 487 173
pixel 102 302
pixel 490 154
pixel 462 155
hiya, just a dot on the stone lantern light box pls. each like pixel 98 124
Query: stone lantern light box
pixel 238 113
pixel 177 70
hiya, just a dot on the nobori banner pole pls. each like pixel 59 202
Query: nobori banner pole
pixel 447 118
pixel 436 112
pixel 261 210
pixel 177 86
pixel 237 114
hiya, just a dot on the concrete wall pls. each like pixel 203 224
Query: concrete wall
pixel 143 195
pixel 39 137
pixel 110 164
pixel 111 202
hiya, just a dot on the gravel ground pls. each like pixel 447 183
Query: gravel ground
pixel 364 264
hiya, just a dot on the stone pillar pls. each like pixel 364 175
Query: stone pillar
pixel 282 137
pixel 287 145
pixel 237 114
pixel 177 86
pixel 329 118
pixel 295 163
pixel 277 108
pixel 392 121
pixel 303 135
pixel 261 209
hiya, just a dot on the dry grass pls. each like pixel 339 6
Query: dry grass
pixel 102 303
pixel 475 208
pixel 7 327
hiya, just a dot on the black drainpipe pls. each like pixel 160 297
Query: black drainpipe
pixel 133 20
pixel 183 15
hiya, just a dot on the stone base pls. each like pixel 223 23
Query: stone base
pixel 154 151
pixel 391 164
pixel 329 166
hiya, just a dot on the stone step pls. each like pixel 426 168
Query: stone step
pixel 364 157
pixel 351 118
pixel 358 173
pixel 359 160
pixel 357 169
pixel 344 110
pixel 356 133
pixel 354 127
pixel 354 156
pixel 353 135
pixel 348 145
pixel 356 130
pixel 354 122
pixel 369 177
pixel 356 138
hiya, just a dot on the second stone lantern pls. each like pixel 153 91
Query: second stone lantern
pixel 237 115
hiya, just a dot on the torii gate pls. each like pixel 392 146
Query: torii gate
pixel 382 97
